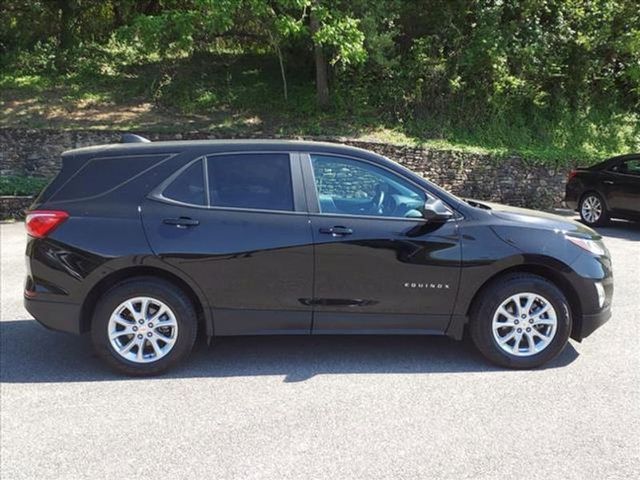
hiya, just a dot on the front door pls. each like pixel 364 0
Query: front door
pixel 379 266
pixel 232 223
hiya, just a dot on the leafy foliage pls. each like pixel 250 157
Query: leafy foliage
pixel 559 78
pixel 14 185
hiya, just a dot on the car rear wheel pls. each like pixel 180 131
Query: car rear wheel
pixel 592 210
pixel 144 326
pixel 521 321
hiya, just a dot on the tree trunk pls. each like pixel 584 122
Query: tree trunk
pixel 276 47
pixel 66 9
pixel 119 15
pixel 282 72
pixel 65 34
pixel 322 80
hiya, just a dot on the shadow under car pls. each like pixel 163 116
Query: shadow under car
pixel 32 354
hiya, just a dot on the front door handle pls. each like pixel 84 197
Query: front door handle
pixel 337 231
pixel 181 222
pixel 608 182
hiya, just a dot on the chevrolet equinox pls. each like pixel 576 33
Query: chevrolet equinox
pixel 144 244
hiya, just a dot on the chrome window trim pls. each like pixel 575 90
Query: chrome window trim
pixel 231 209
pixel 377 217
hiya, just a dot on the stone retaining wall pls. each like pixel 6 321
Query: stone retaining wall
pixel 509 180
pixel 13 207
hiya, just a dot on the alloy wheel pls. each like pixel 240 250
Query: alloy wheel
pixel 524 324
pixel 591 209
pixel 142 329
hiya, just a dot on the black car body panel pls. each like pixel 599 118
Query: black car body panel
pixel 618 187
pixel 262 263
pixel 299 271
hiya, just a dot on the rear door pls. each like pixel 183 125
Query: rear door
pixel 379 266
pixel 235 224
pixel 621 184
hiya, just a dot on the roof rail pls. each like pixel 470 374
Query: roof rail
pixel 133 138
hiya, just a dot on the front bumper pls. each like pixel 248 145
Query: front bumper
pixel 64 317
pixel 590 323
pixel 590 271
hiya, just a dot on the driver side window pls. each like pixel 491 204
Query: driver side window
pixel 351 187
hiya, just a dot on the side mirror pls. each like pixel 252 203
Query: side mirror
pixel 435 210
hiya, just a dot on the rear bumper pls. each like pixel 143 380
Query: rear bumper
pixel 572 194
pixel 64 317
pixel 570 204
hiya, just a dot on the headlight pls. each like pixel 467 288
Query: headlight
pixel 591 246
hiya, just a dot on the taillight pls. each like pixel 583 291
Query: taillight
pixel 39 223
pixel 572 174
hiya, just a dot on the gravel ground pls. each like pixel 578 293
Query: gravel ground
pixel 335 407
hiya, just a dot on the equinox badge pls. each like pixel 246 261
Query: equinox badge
pixel 432 286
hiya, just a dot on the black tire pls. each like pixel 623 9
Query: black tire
pixel 494 295
pixel 602 219
pixel 166 292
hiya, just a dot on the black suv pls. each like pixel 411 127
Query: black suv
pixel 145 244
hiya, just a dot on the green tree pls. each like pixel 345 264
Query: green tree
pixel 329 26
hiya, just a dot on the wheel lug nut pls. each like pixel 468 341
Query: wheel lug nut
pixel 516 322
pixel 139 335
pixel 149 334
pixel 140 322
pixel 528 329
pixel 135 329
pixel 524 316
pixel 151 325
pixel 519 330
pixel 531 320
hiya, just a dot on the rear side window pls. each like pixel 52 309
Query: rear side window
pixel 188 187
pixel 630 167
pixel 260 180
pixel 101 175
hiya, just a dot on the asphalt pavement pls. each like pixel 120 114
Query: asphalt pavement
pixel 322 407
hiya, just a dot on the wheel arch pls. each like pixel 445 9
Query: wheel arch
pixel 115 277
pixel 545 272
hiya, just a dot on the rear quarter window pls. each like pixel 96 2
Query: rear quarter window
pixel 104 174
pixel 189 186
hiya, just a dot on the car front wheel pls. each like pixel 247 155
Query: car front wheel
pixel 144 326
pixel 521 321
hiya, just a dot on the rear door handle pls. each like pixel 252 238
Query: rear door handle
pixel 337 231
pixel 181 222
pixel 608 182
